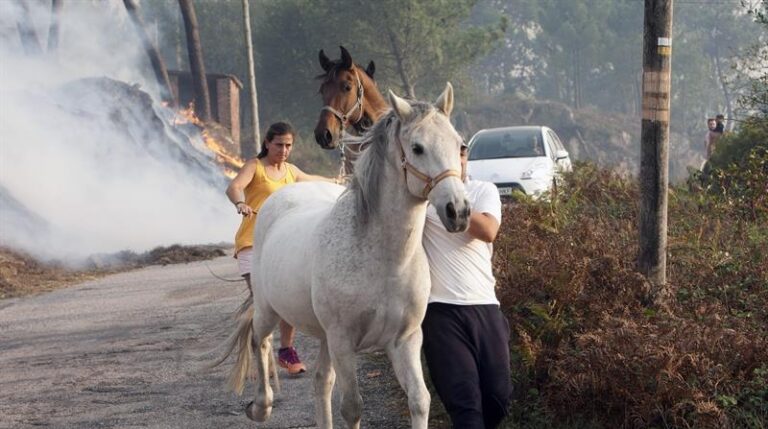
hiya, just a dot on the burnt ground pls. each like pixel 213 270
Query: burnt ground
pixel 21 274
pixel 122 351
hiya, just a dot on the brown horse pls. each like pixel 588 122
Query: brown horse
pixel 352 103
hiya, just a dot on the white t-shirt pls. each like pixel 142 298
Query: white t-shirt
pixel 460 266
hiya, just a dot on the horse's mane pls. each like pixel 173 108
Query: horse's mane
pixel 369 167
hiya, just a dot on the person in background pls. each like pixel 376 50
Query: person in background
pixel 466 336
pixel 256 181
pixel 720 127
pixel 711 137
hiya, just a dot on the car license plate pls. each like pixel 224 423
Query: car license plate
pixel 505 191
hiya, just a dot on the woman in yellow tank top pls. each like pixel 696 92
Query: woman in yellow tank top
pixel 256 181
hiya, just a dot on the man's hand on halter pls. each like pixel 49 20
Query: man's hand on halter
pixel 243 208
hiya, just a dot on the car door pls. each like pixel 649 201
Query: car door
pixel 563 162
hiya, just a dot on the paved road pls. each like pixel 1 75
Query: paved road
pixel 119 352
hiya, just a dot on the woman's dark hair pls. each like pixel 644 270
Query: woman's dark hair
pixel 276 129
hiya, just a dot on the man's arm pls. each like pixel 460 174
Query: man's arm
pixel 483 226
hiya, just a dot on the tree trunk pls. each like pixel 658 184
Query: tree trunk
pixel 255 146
pixel 578 80
pixel 400 62
pixel 723 84
pixel 27 32
pixel 177 41
pixel 196 65
pixel 574 79
pixel 53 31
pixel 158 66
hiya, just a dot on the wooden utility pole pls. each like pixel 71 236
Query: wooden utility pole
pixel 196 65
pixel 158 65
pixel 255 146
pixel 654 153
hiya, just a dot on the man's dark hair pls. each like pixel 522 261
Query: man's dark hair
pixel 276 129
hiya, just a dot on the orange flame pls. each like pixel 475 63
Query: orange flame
pixel 230 164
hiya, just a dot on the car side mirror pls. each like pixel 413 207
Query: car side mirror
pixel 561 154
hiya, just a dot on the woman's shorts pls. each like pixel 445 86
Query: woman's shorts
pixel 244 260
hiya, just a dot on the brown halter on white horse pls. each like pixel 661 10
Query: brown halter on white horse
pixel 407 167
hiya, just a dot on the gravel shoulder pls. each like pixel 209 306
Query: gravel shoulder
pixel 123 351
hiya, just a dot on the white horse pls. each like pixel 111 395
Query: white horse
pixel 349 268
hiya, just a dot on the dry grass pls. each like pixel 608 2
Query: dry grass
pixel 591 349
pixel 21 274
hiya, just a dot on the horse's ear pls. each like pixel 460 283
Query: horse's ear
pixel 371 69
pixel 401 107
pixel 445 100
pixel 325 63
pixel 346 59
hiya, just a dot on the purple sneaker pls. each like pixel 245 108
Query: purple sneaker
pixel 289 359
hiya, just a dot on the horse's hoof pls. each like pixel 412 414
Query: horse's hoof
pixel 256 413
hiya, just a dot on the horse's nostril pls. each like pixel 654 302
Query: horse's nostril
pixel 450 211
pixel 328 137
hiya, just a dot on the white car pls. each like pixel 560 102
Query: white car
pixel 526 158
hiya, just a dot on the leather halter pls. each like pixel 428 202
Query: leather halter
pixel 344 117
pixel 409 168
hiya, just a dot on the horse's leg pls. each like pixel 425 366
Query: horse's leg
pixel 264 322
pixel 405 356
pixel 324 379
pixel 345 363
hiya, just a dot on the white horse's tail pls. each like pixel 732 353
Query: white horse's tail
pixel 242 340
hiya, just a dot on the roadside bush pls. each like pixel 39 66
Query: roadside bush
pixel 738 170
pixel 590 349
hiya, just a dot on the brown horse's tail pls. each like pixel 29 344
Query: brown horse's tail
pixel 241 340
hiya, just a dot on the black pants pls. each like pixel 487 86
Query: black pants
pixel 467 353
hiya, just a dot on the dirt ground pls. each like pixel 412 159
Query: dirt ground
pixel 122 351
pixel 22 275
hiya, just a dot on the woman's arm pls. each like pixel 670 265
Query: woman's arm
pixel 304 177
pixel 236 188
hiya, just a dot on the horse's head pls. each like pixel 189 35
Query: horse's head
pixel 430 157
pixel 349 98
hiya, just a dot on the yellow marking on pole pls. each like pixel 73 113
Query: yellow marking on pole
pixel 664 51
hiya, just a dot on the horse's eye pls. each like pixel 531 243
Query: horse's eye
pixel 418 149
pixel 347 86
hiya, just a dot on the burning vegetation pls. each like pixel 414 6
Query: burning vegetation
pixel 215 137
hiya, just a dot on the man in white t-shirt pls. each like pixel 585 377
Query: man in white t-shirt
pixel 466 336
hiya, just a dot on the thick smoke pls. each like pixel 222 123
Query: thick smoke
pixel 86 166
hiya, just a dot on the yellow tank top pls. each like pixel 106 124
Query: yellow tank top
pixel 256 192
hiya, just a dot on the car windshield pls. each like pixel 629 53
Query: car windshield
pixel 509 143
